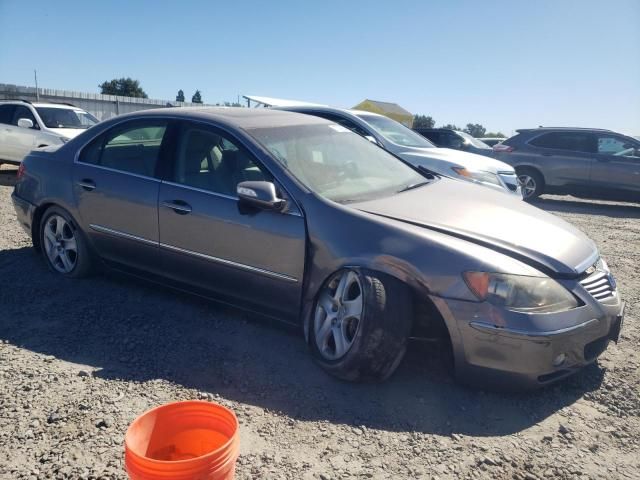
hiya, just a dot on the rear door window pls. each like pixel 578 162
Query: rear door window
pixel 573 141
pixel 6 113
pixel 132 148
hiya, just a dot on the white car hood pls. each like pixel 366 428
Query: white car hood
pixel 470 161
pixel 67 132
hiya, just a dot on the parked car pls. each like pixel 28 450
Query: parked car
pixel 25 126
pixel 417 150
pixel 298 217
pixel 455 139
pixel 491 141
pixel 579 161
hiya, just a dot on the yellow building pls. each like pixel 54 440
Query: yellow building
pixel 388 109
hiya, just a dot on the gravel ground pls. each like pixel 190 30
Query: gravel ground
pixel 79 360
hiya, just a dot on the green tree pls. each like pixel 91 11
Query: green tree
pixel 451 126
pixel 475 130
pixel 423 121
pixel 494 135
pixel 197 97
pixel 180 96
pixel 126 87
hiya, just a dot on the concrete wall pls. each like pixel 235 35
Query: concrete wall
pixel 101 106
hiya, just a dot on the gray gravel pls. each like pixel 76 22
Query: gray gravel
pixel 79 360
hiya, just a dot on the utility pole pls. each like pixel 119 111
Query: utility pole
pixel 35 75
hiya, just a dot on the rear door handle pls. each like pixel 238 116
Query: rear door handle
pixel 87 184
pixel 547 154
pixel 177 206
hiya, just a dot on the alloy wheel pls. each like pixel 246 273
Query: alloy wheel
pixel 60 244
pixel 528 185
pixel 338 315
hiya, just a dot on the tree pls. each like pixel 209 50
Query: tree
pixel 451 126
pixel 494 135
pixel 180 96
pixel 126 87
pixel 423 121
pixel 475 130
pixel 197 98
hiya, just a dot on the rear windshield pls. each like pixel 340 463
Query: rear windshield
pixel 65 117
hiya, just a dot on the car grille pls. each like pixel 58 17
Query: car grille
pixel 599 285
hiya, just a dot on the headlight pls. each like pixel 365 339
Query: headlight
pixel 478 176
pixel 520 293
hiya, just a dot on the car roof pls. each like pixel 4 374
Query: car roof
pixel 246 118
pixel 321 108
pixel 563 129
pixel 39 104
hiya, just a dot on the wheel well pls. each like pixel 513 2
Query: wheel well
pixel 427 323
pixel 35 223
pixel 529 168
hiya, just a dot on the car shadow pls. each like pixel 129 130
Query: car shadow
pixel 130 330
pixel 8 177
pixel 586 207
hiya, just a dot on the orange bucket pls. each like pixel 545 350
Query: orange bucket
pixel 192 440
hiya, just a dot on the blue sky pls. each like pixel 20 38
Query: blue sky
pixel 505 64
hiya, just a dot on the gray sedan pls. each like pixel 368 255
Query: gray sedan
pixel 299 218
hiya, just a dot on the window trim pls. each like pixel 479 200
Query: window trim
pixel 164 164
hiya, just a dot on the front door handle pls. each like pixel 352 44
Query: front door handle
pixel 547 154
pixel 87 184
pixel 177 206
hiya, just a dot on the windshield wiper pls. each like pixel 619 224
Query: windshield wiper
pixel 412 186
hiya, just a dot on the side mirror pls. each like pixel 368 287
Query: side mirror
pixel 25 123
pixel 260 195
pixel 372 139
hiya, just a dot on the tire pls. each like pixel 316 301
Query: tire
pixel 531 182
pixel 377 344
pixel 79 261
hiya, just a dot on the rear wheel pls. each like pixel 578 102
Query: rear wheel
pixel 63 245
pixel 531 183
pixel 360 325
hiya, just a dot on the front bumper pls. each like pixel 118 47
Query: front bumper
pixel 24 212
pixel 488 353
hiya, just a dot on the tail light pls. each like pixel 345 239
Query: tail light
pixel 499 147
pixel 21 171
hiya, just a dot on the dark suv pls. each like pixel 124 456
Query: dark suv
pixel 449 138
pixel 579 161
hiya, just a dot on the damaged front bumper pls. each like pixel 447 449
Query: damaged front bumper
pixel 489 351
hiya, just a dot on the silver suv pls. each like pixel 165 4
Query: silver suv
pixel 585 162
pixel 25 126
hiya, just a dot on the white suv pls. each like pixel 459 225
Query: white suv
pixel 25 126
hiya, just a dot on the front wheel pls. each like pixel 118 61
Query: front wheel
pixel 531 183
pixel 63 245
pixel 360 325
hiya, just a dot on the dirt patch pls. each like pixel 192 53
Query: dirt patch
pixel 79 360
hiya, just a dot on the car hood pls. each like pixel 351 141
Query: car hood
pixel 494 220
pixel 470 161
pixel 68 132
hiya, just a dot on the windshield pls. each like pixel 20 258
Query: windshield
pixel 66 117
pixel 396 132
pixel 336 163
pixel 473 140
